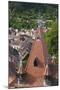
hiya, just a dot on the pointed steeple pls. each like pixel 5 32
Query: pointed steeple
pixel 39 31
pixel 38 55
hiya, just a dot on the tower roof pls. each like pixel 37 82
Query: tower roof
pixel 40 23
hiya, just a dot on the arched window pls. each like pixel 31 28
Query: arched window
pixel 36 62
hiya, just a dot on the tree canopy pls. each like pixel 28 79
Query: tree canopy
pixel 25 15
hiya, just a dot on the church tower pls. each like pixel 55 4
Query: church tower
pixel 38 55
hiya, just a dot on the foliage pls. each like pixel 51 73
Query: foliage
pixel 52 39
pixel 25 15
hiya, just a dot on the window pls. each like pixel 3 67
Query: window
pixel 36 62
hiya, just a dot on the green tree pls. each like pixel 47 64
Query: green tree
pixel 52 39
